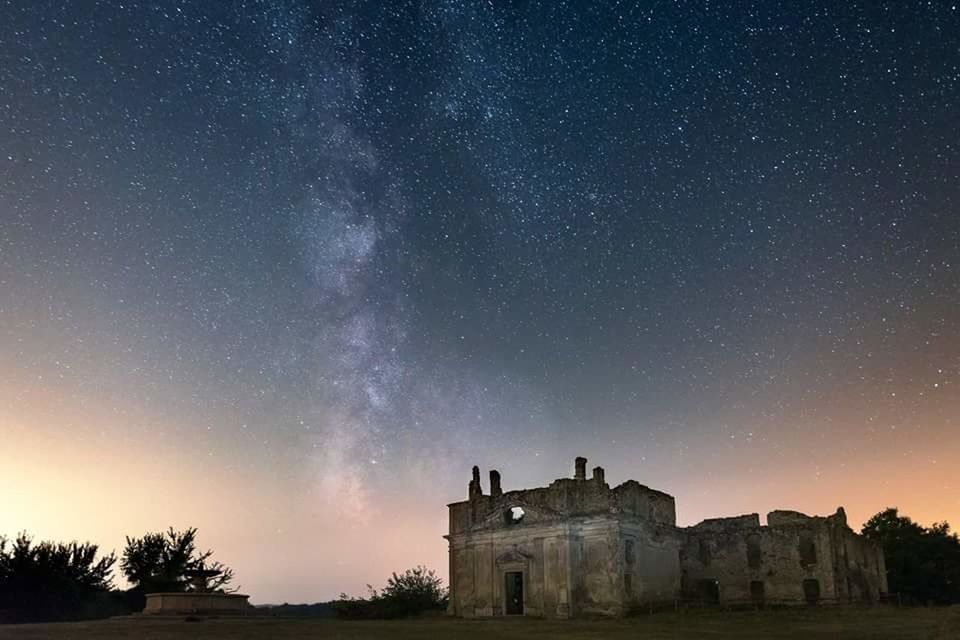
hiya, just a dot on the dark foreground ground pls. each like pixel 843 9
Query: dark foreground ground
pixel 880 622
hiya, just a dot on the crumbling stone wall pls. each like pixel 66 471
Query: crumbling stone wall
pixel 794 558
pixel 584 548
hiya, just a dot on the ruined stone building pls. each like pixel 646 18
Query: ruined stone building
pixel 580 547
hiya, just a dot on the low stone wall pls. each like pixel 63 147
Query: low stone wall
pixel 176 603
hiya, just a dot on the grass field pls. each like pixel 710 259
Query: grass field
pixel 839 624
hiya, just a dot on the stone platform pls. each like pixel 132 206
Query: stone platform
pixel 193 602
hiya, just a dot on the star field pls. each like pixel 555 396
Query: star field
pixel 327 257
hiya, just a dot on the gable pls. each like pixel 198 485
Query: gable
pixel 499 516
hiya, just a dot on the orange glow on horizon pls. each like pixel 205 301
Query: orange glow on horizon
pixel 60 486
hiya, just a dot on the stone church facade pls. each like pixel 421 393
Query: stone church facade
pixel 579 547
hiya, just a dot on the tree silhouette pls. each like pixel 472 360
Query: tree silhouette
pixel 50 581
pixel 922 563
pixel 166 561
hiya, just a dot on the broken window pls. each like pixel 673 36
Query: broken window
pixel 628 554
pixel 754 554
pixel 703 552
pixel 514 515
pixel 808 549
pixel 811 590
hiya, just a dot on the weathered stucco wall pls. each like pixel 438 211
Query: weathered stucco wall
pixel 650 562
pixel 481 562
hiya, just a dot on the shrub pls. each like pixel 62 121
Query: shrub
pixel 413 592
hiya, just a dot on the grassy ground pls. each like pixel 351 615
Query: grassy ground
pixel 836 624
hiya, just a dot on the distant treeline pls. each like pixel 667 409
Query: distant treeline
pixel 286 610
pixel 51 581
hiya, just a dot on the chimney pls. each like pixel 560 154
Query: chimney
pixel 495 491
pixel 475 489
pixel 841 515
pixel 581 469
pixel 598 475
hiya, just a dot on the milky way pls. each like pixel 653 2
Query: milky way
pixel 329 257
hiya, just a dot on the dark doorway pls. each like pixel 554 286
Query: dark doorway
pixel 811 591
pixel 756 593
pixel 708 590
pixel 514 591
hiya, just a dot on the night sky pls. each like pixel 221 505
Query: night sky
pixel 286 272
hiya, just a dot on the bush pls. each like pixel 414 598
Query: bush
pixel 414 592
